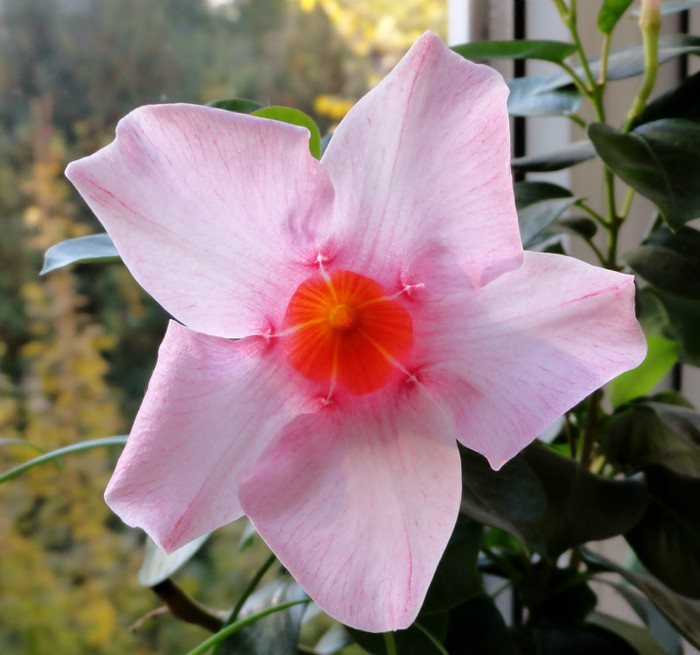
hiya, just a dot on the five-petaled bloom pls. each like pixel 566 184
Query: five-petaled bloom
pixel 348 321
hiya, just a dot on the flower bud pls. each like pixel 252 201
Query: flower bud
pixel 650 15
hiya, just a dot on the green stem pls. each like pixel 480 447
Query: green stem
pixel 390 643
pixel 590 429
pixel 433 640
pixel 592 213
pixel 650 39
pixel 627 203
pixel 250 589
pixel 604 55
pixel 238 625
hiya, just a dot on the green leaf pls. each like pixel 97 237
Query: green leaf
pixel 670 261
pixel 511 499
pixel 238 105
pixel 83 250
pixel 679 102
pixel 159 565
pixel 557 160
pixel 535 219
pixel 667 539
pixel 662 354
pixel 278 633
pixel 581 506
pixel 535 96
pixel 659 160
pixel 566 597
pixel 554 51
pixel 639 638
pixel 61 452
pixel 683 613
pixel 683 320
pixel 659 626
pixel 610 12
pixel 579 225
pixel 671 7
pixel 584 641
pixel 528 193
pixel 457 577
pixel 295 117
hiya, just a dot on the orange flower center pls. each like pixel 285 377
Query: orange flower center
pixel 344 330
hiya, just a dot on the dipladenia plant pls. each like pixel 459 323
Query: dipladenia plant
pixel 349 333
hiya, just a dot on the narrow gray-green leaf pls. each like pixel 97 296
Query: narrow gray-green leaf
pixel 545 50
pixel 534 219
pixel 534 96
pixel 639 638
pixel 659 160
pixel 61 452
pixel 159 565
pixel 610 13
pixel 667 539
pixel 683 613
pixel 93 248
pixel 556 160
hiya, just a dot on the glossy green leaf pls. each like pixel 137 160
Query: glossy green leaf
pixel 457 577
pixel 61 452
pixel 652 433
pixel 159 565
pixel 579 225
pixel 683 613
pixel 83 250
pixel 610 13
pixel 511 499
pixel 673 6
pixel 639 638
pixel 277 633
pixel 679 102
pixel 683 320
pixel 535 96
pixel 662 354
pixel 581 506
pixel 670 261
pixel 295 117
pixel 557 160
pixel 528 193
pixel 238 105
pixel 534 219
pixel 667 539
pixel 554 51
pixel 659 160
pixel 657 624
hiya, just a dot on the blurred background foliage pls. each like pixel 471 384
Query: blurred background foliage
pixel 77 347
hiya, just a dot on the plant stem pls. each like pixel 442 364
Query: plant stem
pixel 433 640
pixel 249 589
pixel 590 429
pixel 650 38
pixel 186 608
pixel 390 643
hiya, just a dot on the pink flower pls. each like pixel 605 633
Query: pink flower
pixel 348 321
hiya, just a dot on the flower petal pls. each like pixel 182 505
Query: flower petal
pixel 213 212
pixel 424 158
pixel 513 357
pixel 211 408
pixel 359 507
